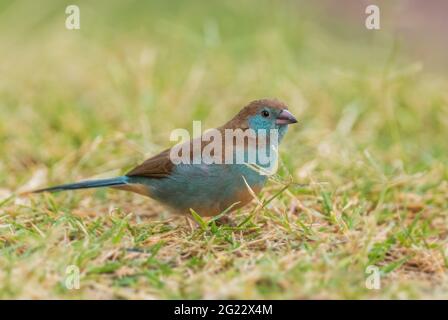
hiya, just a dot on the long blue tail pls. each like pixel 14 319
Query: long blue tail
pixel 118 181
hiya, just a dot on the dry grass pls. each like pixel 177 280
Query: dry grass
pixel 366 169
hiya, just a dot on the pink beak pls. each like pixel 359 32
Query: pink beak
pixel 285 117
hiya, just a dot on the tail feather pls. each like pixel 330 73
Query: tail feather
pixel 86 185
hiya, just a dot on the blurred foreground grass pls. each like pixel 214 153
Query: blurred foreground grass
pixel 370 152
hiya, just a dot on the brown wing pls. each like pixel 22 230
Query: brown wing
pixel 159 166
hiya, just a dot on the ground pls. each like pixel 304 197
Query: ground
pixel 362 181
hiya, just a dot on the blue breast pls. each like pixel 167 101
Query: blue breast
pixel 203 186
pixel 207 188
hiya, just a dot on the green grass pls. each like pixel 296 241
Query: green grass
pixel 365 169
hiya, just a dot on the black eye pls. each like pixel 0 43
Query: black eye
pixel 265 113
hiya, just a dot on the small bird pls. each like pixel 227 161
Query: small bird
pixel 207 188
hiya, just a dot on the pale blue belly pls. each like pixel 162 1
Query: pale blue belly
pixel 202 185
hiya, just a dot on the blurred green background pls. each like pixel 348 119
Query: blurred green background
pixel 143 68
pixel 372 108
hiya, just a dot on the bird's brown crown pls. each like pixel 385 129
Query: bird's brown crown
pixel 254 107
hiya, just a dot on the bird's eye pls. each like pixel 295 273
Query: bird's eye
pixel 265 113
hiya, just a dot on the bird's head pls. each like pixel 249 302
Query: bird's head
pixel 264 114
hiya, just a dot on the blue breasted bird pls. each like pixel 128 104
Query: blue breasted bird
pixel 207 188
